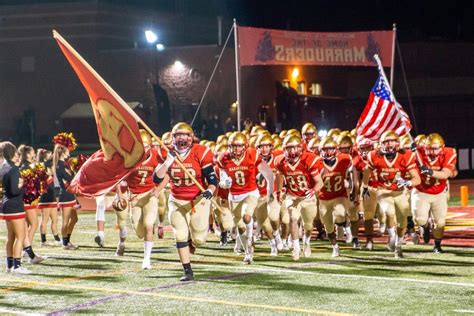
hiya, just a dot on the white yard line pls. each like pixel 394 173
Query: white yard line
pixel 464 311
pixel 15 312
pixel 277 270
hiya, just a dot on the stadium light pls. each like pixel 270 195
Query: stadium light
pixel 178 65
pixel 160 47
pixel 295 73
pixel 322 133
pixel 150 36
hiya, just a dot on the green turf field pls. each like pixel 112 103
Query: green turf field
pixel 92 280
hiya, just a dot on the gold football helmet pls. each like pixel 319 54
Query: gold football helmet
pixel 328 148
pixel 237 144
pixel 183 136
pixel 222 139
pixel 283 134
pixel 255 130
pixel 294 131
pixel 389 142
pixel 146 137
pixel 365 145
pixel 264 145
pixel 219 149
pixel 313 145
pixel 309 131
pixel 434 144
pixel 420 139
pixel 334 133
pixel 292 147
pixel 345 143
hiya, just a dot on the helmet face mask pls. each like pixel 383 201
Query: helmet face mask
pixel 365 149
pixel 328 153
pixel 390 146
pixel 293 152
pixel 345 148
pixel 309 135
pixel 434 150
pixel 237 150
pixel 265 150
pixel 183 137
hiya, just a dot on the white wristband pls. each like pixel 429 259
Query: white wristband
pixel 169 161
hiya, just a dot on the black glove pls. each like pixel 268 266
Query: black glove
pixel 426 170
pixel 260 177
pixel 207 194
pixel 413 147
pixel 365 192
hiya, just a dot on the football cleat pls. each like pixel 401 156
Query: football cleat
pixel 296 254
pixel 307 250
pixel 279 242
pixel 187 277
pixel 99 241
pixel 120 250
pixel 223 242
pixel 146 264
pixel 355 244
pixel 70 246
pixel 21 270
pixel 398 252
pixel 273 250
pixel 8 270
pixel 369 245
pixel 437 249
pixel 37 259
pixel 47 244
pixel 285 246
pixel 248 259
pixel 391 243
pixel 335 251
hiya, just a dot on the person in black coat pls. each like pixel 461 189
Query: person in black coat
pixel 12 207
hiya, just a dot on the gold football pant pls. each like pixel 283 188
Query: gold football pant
pixel 422 203
pixel 190 219
pixel 263 211
pixel 224 217
pixel 302 207
pixel 333 211
pixel 245 207
pixel 163 197
pixel 394 203
pixel 143 212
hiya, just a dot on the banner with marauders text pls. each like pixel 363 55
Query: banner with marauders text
pixel 259 46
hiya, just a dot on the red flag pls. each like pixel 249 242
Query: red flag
pixel 117 126
pixel 382 112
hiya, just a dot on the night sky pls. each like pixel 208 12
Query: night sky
pixel 416 20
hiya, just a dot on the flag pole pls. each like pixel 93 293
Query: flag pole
pixel 127 108
pixel 237 74
pixel 392 68
pixel 379 63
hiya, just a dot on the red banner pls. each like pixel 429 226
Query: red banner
pixel 117 126
pixel 275 47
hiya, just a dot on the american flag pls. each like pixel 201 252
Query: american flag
pixel 382 112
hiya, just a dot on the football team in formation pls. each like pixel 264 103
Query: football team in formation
pixel 287 189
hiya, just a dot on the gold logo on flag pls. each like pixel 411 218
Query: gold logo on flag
pixel 115 135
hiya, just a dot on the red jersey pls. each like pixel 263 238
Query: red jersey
pixel 387 172
pixel 298 177
pixel 197 158
pixel 243 172
pixel 141 179
pixel 333 177
pixel 360 164
pixel 262 185
pixel 446 159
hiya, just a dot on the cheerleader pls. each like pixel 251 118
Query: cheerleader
pixel 12 208
pixel 47 202
pixel 62 176
pixel 27 159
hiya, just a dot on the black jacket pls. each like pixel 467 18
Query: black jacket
pixel 12 195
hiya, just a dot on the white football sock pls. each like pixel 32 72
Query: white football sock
pixel 148 245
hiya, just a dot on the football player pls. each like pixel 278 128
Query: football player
pixel 188 207
pixel 439 163
pixel 391 165
pixel 369 204
pixel 298 170
pixel 345 145
pixel 142 200
pixel 239 167
pixel 268 214
pixel 334 168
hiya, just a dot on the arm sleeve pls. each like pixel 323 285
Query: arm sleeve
pixel 268 175
pixel 210 175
